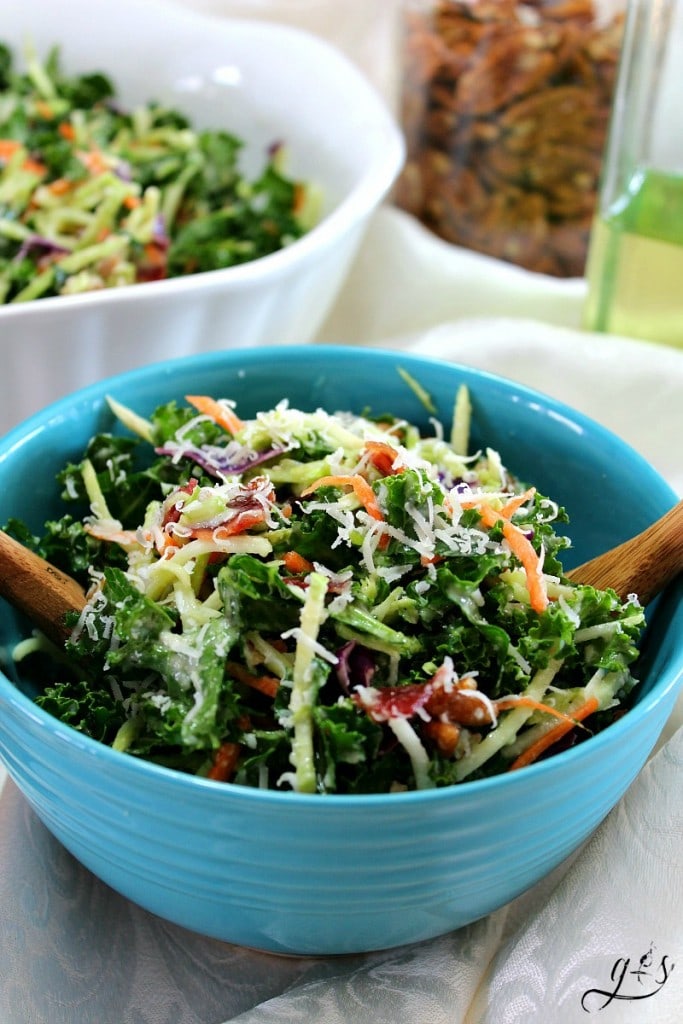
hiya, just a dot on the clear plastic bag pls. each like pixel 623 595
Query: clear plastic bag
pixel 505 108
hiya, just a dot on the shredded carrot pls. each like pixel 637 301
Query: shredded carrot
pixel 217 411
pixel 534 751
pixel 508 509
pixel 8 148
pixel 45 110
pixel 383 456
pixel 431 559
pixel 165 542
pixel 34 166
pixel 520 545
pixel 363 492
pixel 155 255
pixel 60 186
pixel 268 685
pixel 507 703
pixel 531 563
pixel 239 523
pixel 66 130
pixel 361 489
pixel 296 563
pixel 130 202
pixel 366 496
pixel 93 160
pixel 126 538
pixel 511 506
pixel 224 762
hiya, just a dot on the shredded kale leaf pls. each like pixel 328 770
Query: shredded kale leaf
pixel 92 711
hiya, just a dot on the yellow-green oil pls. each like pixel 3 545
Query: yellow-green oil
pixel 635 262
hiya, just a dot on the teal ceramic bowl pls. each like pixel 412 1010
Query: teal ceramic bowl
pixel 303 874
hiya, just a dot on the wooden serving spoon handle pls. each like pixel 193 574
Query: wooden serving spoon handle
pixel 643 565
pixel 37 588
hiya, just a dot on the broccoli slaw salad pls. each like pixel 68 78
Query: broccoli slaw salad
pixel 323 602
pixel 95 196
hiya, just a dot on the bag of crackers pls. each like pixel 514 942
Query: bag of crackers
pixel 505 108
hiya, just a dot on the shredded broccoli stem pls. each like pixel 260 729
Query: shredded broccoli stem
pixel 135 423
pixel 126 734
pixel 279 664
pixel 98 502
pixel 509 724
pixel 462 414
pixel 303 690
pixel 417 390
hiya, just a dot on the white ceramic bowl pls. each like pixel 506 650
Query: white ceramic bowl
pixel 263 82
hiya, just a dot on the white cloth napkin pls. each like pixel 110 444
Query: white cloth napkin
pixel 74 952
